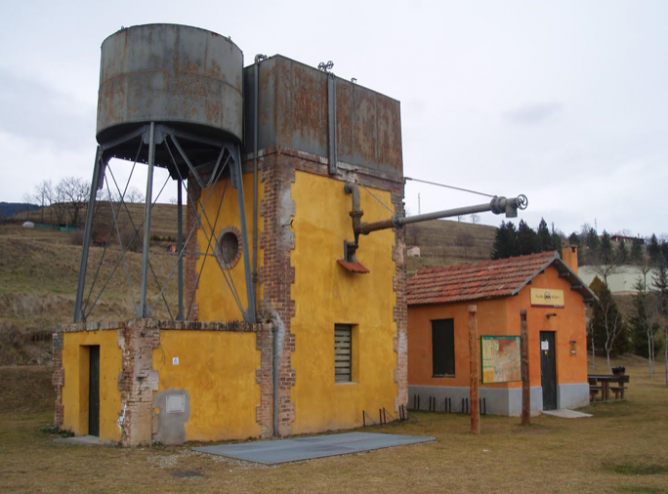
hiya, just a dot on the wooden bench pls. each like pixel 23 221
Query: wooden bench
pixel 605 383
pixel 593 391
pixel 619 391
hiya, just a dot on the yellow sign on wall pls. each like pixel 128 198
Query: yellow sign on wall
pixel 545 297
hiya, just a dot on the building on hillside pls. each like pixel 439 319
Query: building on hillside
pixel 326 338
pixel 618 239
pixel 546 285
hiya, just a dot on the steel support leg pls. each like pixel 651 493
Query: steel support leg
pixel 78 312
pixel 143 307
pixel 239 179
pixel 179 247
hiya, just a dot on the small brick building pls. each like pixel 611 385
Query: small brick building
pixel 546 285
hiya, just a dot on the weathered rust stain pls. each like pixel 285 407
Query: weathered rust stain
pixel 153 73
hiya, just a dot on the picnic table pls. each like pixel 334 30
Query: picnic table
pixel 602 383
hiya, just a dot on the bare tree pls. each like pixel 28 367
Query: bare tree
pixel 134 195
pixel 475 219
pixel 607 322
pixel 605 262
pixel 74 193
pixel 43 195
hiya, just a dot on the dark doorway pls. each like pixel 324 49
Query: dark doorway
pixel 94 392
pixel 548 370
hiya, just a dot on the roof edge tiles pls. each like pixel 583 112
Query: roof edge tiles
pixel 487 279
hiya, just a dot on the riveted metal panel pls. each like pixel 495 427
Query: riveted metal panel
pixel 293 113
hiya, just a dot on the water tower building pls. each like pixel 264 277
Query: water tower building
pixel 288 321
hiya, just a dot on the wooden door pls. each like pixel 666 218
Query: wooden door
pixel 548 370
pixel 94 392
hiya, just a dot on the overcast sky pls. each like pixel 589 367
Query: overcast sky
pixel 564 101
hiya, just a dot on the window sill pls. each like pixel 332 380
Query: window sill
pixel 346 383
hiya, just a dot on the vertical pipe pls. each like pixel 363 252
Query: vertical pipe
pixel 256 98
pixel 526 381
pixel 143 308
pixel 474 369
pixel 250 295
pixel 179 246
pixel 274 375
pixel 331 123
pixel 87 233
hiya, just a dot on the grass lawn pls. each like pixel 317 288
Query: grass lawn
pixel 623 448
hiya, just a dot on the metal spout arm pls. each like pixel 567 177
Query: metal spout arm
pixel 497 205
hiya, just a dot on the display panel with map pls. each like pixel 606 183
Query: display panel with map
pixel 501 359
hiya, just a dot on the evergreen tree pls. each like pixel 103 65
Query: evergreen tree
pixel 591 243
pixel 640 326
pixel 527 239
pixel 544 237
pixel 664 252
pixel 637 255
pixel 622 253
pixel 505 241
pixel 556 242
pixel 607 255
pixel 660 287
pixel 654 250
pixel 574 239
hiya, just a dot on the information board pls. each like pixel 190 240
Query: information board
pixel 500 359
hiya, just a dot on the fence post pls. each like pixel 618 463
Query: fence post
pixel 526 377
pixel 474 369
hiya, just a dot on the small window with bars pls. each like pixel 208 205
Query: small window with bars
pixel 343 354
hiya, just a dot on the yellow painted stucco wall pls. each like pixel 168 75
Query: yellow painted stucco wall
pixel 217 369
pixel 76 362
pixel 214 297
pixel 325 294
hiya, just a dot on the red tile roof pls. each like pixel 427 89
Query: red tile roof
pixel 480 280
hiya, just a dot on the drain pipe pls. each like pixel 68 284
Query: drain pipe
pixel 256 120
pixel 274 375
pixel 277 334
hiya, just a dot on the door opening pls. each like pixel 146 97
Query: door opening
pixel 94 391
pixel 548 370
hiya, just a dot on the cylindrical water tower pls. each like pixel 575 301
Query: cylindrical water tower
pixel 169 96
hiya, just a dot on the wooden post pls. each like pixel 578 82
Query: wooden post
pixel 474 369
pixel 526 376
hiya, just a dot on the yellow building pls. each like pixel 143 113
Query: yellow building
pixel 328 338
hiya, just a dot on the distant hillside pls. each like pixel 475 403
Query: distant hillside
pixel 163 217
pixel 8 209
pixel 444 242
pixel 38 278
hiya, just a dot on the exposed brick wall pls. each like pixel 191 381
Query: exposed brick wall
pixel 277 276
pixel 401 308
pixel 138 380
pixel 190 309
pixel 58 378
pixel 263 376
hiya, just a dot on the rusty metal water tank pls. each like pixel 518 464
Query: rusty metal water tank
pixel 182 76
